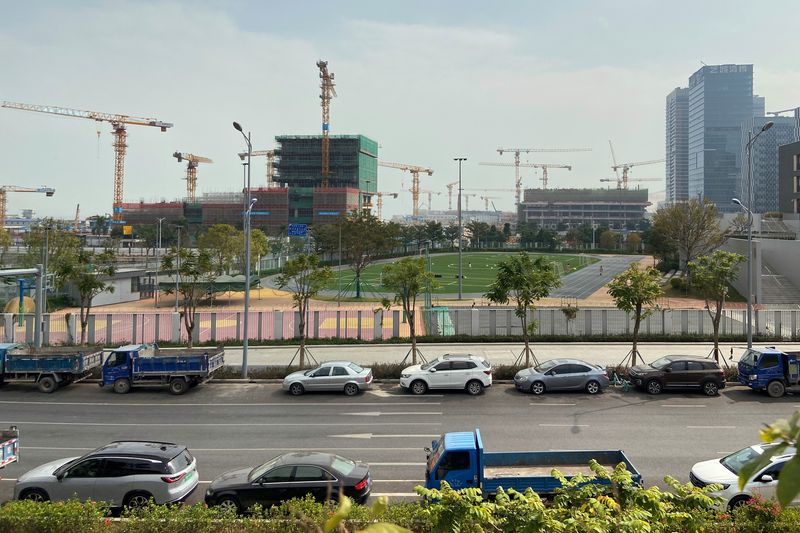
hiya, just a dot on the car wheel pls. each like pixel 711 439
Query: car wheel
pixel 593 387
pixel 654 386
pixel 474 387
pixel 537 388
pixel 296 389
pixel 122 386
pixel 351 389
pixel 137 500
pixel 47 384
pixel 419 387
pixel 738 502
pixel 35 495
pixel 228 504
pixel 710 388
pixel 178 386
pixel 776 389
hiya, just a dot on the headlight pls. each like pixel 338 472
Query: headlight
pixel 520 378
pixel 405 375
pixel 752 377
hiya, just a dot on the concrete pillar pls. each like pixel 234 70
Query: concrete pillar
pixel 196 330
pixel 338 324
pixel 238 326
pixel 358 324
pixel 377 324
pixel 684 321
pixel 395 323
pixel 8 327
pixel 604 321
pixel 46 330
pixel 91 329
pixel 277 324
pixel 475 322
pixel 176 327
pixel 134 322
pixel 509 321
pixel 213 327
pixel 109 329
pixel 157 334
pixel 296 333
pixel 587 321
pixel 316 324
pixel 260 326
pixel 493 324
pixel 71 323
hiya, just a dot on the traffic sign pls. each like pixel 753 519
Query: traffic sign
pixel 297 230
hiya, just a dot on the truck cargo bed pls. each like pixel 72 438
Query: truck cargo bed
pixel 493 472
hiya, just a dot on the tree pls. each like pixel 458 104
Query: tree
pixel 692 228
pixel 713 275
pixel 304 278
pixel 100 225
pixel 197 273
pixel 608 240
pixel 408 277
pixel 5 244
pixel 506 230
pixel 526 281
pixel 636 291
pixel 83 271
pixel 62 246
pixel 575 237
pixel 433 232
pixel 148 234
pixel 220 242
pixel 633 243
pixel 451 235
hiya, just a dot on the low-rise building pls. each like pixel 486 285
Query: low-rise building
pixel 613 208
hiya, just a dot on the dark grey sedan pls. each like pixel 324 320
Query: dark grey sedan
pixel 342 376
pixel 562 374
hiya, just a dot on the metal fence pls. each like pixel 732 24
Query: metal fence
pixel 368 324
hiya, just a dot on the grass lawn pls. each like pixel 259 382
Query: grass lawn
pixel 478 268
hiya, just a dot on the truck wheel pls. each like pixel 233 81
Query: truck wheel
pixel 474 387
pixel 776 389
pixel 654 386
pixel 418 387
pixel 47 384
pixel 122 386
pixel 710 388
pixel 178 386
pixel 351 389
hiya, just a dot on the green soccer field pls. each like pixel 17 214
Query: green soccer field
pixel 478 267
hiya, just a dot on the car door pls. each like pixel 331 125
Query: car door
pixel 557 377
pixel 675 375
pixel 763 487
pixel 695 373
pixel 309 479
pixel 339 376
pixel 577 376
pixel 460 372
pixel 319 379
pixel 78 481
pixel 272 488
pixel 440 379
pixel 115 480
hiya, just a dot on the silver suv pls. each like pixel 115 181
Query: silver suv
pixel 472 373
pixel 122 474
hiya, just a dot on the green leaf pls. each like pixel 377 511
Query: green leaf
pixel 749 470
pixel 341 514
pixel 382 527
pixel 789 481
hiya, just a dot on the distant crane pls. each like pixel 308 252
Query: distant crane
pixel 517 151
pixel 466 199
pixel 450 195
pixel 415 171
pixel 543 166
pixel 191 171
pixel 4 189
pixel 380 196
pixel 118 124
pixel 795 110
pixel 630 180
pixel 622 181
pixel 486 200
pixel 430 196
pixel 77 218
pixel 327 92
pixel 491 190
pixel 270 155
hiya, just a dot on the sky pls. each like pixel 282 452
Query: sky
pixel 429 81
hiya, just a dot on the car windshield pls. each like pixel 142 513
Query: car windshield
pixel 309 372
pixel 660 364
pixel 355 367
pixel 426 366
pixel 735 461
pixel 259 471
pixel 749 358
pixel 435 454
pixel 342 465
pixel 547 365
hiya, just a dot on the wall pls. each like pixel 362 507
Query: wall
pixel 740 247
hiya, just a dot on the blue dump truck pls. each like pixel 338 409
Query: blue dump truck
pixel 147 364
pixel 459 459
pixel 9 446
pixel 49 368
pixel 769 369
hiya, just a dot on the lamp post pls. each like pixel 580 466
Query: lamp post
pixel 249 203
pixel 158 251
pixel 460 160
pixel 178 269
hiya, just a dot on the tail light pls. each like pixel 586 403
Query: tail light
pixel 361 485
pixel 173 479
pixel 368 378
pixel 487 372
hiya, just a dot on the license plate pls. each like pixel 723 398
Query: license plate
pixel 189 476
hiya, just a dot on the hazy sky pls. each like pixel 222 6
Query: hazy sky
pixel 428 80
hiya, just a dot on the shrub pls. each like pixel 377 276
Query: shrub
pixel 677 283
pixel 61 517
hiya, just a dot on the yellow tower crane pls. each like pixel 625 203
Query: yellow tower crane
pixel 622 181
pixel 191 171
pixel 518 151
pixel 270 155
pixel 415 171
pixel 543 166
pixel 118 123
pixel 327 92
pixel 49 191
pixel 380 196
pixel 430 196
pixel 450 195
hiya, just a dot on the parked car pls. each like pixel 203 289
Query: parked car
pixel 291 475
pixel 334 376
pixel 725 472
pixel 122 473
pixel 562 374
pixel 472 373
pixel 679 372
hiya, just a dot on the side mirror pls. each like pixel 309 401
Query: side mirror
pixel 426 449
pixel 60 476
pixel 432 369
pixel 668 369
pixel 766 478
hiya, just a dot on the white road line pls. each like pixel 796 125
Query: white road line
pixel 373 436
pixel 396 464
pixel 222 424
pixel 8 479
pixel 398 481
pixel 548 404
pixel 710 427
pixel 394 494
pixel 384 413
pixel 680 405
pixel 293 448
pixel 564 425
pixel 268 404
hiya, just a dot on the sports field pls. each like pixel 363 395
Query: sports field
pixel 478 267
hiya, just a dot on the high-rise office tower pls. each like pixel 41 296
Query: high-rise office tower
pixel 677 145
pixel 764 156
pixel 759 106
pixel 720 99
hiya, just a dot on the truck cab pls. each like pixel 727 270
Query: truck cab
pixel 454 458
pixel 769 369
pixel 119 364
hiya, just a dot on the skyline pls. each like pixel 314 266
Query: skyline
pixel 428 83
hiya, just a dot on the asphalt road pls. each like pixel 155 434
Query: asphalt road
pixel 584 282
pixel 232 425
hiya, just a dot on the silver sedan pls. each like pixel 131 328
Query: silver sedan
pixel 562 374
pixel 344 376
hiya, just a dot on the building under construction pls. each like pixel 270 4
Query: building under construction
pixel 613 208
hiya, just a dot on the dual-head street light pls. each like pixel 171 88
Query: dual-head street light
pixel 249 202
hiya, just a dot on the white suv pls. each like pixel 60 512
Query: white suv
pixel 470 372
pixel 725 472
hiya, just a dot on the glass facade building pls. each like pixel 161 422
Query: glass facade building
pixel 764 157
pixel 677 145
pixel 720 100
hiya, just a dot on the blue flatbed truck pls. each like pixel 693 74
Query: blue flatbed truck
pixel 460 459
pixel 147 364
pixel 9 446
pixel 49 368
pixel 771 370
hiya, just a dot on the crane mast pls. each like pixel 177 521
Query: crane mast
pixel 517 164
pixel 48 191
pixel 327 92
pixel 543 166
pixel 380 196
pixel 118 127
pixel 415 171
pixel 191 172
pixel 270 155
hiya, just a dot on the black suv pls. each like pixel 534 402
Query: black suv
pixel 679 372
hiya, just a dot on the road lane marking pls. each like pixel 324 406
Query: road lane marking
pixel 222 424
pixel 398 481
pixel 373 436
pixel 565 404
pixel 564 425
pixel 681 405
pixel 293 448
pixel 395 494
pixel 710 427
pixel 396 464
pixel 268 404
pixel 384 413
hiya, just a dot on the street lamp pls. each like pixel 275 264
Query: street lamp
pixel 249 203
pixel 460 160
pixel 178 269
pixel 158 249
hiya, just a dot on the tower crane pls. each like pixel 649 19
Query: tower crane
pixel 327 92
pixel 430 195
pixel 49 191
pixel 630 180
pixel 450 195
pixel 119 125
pixel 543 166
pixel 491 190
pixel 380 196
pixel 466 199
pixel 517 151
pixel 191 171
pixel 77 219
pixel 270 155
pixel 415 171
pixel 622 181
pixel 486 200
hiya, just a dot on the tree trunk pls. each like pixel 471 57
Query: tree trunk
pixel 716 321
pixel 302 309
pixel 84 321
pixel 358 284
pixel 635 349
pixel 412 331
pixel 525 338
pixel 188 322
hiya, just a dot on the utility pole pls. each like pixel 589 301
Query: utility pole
pixel 158 258
pixel 460 274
